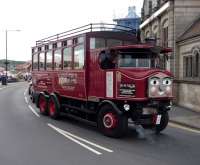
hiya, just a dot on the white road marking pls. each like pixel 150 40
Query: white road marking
pixel 2 88
pixel 183 127
pixel 33 110
pixel 86 141
pixel 26 99
pixel 9 86
pixel 74 140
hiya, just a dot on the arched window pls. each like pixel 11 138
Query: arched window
pixel 147 34
pixel 165 33
pixel 196 55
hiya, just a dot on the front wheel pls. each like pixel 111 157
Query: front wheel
pixel 110 123
pixel 163 123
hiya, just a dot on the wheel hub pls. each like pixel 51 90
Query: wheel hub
pixel 109 120
pixel 52 108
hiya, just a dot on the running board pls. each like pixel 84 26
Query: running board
pixel 81 119
pixel 78 109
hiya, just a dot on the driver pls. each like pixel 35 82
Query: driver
pixel 110 59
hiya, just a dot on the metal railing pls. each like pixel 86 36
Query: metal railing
pixel 85 29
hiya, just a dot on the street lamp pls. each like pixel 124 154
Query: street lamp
pixel 6 63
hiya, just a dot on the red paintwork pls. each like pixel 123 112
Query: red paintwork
pixel 52 110
pixel 42 104
pixel 90 83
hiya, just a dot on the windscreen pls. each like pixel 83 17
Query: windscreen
pixel 137 59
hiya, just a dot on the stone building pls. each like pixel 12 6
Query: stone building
pixel 167 20
pixel 188 45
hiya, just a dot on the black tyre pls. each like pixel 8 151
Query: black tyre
pixel 163 123
pixel 110 123
pixel 32 97
pixel 54 107
pixel 29 90
pixel 42 104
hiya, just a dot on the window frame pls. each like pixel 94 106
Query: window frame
pixel 53 63
pixel 33 68
pixel 49 68
pixel 44 67
pixel 71 67
pixel 73 59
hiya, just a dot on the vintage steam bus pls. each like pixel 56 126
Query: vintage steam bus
pixel 100 73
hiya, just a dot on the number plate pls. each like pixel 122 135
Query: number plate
pixel 158 119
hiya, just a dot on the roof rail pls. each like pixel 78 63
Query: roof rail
pixel 84 29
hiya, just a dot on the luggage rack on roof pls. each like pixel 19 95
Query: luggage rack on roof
pixel 84 29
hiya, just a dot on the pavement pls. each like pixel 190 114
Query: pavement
pixel 185 117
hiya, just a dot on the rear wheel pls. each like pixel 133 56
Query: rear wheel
pixel 54 107
pixel 110 123
pixel 42 103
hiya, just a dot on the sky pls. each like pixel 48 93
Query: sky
pixel 37 19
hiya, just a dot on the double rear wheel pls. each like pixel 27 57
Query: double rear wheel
pixel 42 104
pixel 49 105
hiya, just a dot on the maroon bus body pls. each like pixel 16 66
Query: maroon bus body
pixel 99 93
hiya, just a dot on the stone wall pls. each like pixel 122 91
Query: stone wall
pixel 189 96
pixel 186 11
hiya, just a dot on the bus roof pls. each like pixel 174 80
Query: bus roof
pixel 95 27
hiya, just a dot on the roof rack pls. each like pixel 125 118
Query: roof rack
pixel 84 29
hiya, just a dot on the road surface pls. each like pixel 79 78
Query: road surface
pixel 27 138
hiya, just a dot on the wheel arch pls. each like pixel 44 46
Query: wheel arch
pixel 111 103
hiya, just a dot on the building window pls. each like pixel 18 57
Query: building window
pixel 79 57
pixel 196 70
pixel 150 7
pixel 191 66
pixel 165 37
pixel 147 34
pixel 57 59
pixel 67 58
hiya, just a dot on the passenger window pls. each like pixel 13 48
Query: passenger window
pixel 42 61
pixel 96 43
pixel 49 60
pixel 79 57
pixel 113 42
pixel 67 58
pixel 57 59
pixel 35 62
